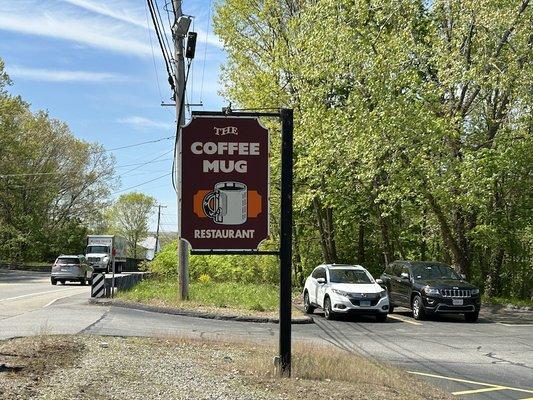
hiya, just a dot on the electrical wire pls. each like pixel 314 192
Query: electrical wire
pixel 147 162
pixel 141 184
pixel 164 31
pixel 162 45
pixel 205 51
pixel 136 144
pixel 153 52
pixel 134 164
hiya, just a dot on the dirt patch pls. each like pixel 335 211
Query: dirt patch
pixel 25 363
pixel 140 368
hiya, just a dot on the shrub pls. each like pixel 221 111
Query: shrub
pixel 231 268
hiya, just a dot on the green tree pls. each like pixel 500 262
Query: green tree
pixel 412 132
pixel 129 218
pixel 51 183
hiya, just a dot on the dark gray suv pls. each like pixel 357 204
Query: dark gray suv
pixel 430 287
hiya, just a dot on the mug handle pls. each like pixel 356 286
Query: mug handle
pixel 208 211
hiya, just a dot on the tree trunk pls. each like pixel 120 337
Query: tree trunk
pixel 297 262
pixel 388 250
pixel 324 219
pixel 459 259
pixel 361 243
pixel 494 283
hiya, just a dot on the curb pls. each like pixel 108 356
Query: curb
pixel 196 314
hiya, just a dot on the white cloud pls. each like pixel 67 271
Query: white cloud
pixel 116 11
pixel 142 123
pixel 44 18
pixel 49 75
pixel 119 11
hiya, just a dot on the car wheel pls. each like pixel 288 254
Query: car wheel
pixel 54 282
pixel 83 281
pixel 418 308
pixel 391 308
pixel 328 312
pixel 308 308
pixel 471 317
pixel 381 317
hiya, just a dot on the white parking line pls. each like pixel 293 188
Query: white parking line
pixel 501 323
pixel 397 317
pixel 34 294
pixel 489 386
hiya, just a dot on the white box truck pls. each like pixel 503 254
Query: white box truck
pixel 102 250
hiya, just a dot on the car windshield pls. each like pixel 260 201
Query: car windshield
pixel 434 271
pixel 68 260
pixel 348 276
pixel 97 249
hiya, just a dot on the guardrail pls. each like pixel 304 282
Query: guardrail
pixel 122 282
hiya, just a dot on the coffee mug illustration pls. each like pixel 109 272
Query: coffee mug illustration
pixel 227 204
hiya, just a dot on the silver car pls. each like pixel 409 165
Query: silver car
pixel 72 269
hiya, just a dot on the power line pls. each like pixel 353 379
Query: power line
pixel 164 32
pixel 153 52
pixel 137 144
pixel 134 164
pixel 141 184
pixel 205 50
pixel 147 162
pixel 161 44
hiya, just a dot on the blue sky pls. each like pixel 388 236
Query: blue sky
pixel 90 63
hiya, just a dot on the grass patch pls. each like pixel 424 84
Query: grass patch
pixel 248 296
pixel 509 300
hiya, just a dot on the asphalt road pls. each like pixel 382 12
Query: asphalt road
pixel 487 360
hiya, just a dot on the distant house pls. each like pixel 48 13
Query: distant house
pixel 148 244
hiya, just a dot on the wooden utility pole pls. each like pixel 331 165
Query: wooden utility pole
pixel 179 31
pixel 158 223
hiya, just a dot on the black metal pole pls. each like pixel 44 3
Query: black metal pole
pixel 285 302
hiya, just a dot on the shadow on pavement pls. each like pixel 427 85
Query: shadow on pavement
pixel 12 276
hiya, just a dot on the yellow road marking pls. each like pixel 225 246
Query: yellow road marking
pixel 472 382
pixel 487 389
pixel 404 320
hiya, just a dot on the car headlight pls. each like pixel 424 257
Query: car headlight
pixel 475 291
pixel 431 291
pixel 340 292
pixel 383 294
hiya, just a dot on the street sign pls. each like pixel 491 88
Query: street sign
pixel 224 183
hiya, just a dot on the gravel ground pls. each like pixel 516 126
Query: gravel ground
pixel 108 368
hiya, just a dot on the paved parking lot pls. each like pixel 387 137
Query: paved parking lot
pixel 491 359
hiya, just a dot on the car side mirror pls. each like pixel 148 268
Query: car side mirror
pixel 463 276
pixel 379 281
pixel 404 275
pixel 320 281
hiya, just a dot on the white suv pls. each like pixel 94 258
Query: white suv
pixel 343 289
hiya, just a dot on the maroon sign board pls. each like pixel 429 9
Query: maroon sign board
pixel 224 183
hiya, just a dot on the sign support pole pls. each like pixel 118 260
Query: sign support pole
pixel 285 303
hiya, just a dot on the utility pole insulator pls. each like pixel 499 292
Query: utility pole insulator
pixel 191 45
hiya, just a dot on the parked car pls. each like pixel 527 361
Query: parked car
pixel 72 269
pixel 429 287
pixel 342 289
